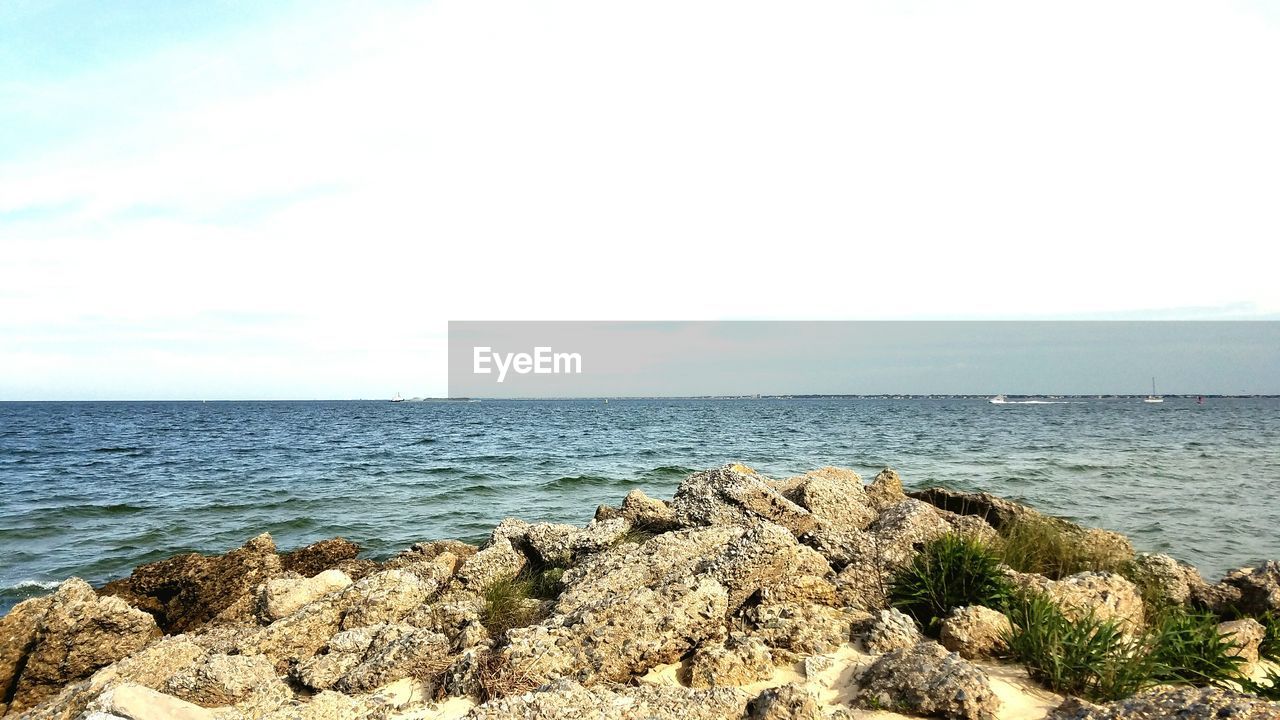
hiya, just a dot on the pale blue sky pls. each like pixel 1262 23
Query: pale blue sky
pixel 290 199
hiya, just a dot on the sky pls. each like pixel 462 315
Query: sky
pixel 291 199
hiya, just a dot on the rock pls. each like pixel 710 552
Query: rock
pixel 218 680
pixel 1108 596
pixel 1164 576
pixel 283 596
pixel 1259 588
pixel 998 512
pixel 619 636
pixel 646 513
pixel 383 597
pixel 800 588
pixel 971 527
pixel 66 637
pixel 927 680
pixel 330 705
pixel 891 630
pixel 975 632
pixel 903 529
pixel 564 699
pixel 1245 636
pixel 496 561
pixel 740 660
pixel 732 495
pixel 885 489
pixel 599 535
pixel 455 615
pixel 1183 703
pixel 136 702
pixel 186 591
pixel 836 497
pixel 788 702
pixel 550 544
pixel 18 631
pixel 424 552
pixel 317 557
pixel 392 655
pixel 802 628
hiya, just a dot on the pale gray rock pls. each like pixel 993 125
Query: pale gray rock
pixel 1245 636
pixel 740 660
pixel 597 536
pixel 646 513
pixel 836 497
pixel 1108 596
pixel 734 494
pixel 279 597
pixel 885 489
pixel 975 632
pixel 551 544
pixel 564 699
pixel 927 680
pixel 891 630
pixel 787 702
pixel 1170 579
pixel 802 628
pixel 218 680
pixel 1182 703
pixel 496 561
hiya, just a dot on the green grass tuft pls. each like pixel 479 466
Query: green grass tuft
pixel 1188 649
pixel 1052 548
pixel 1269 648
pixel 949 572
pixel 506 600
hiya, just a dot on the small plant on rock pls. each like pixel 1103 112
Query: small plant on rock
pixel 1050 547
pixel 949 572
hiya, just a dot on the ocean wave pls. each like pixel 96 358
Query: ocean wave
pixel 575 481
pixel 34 585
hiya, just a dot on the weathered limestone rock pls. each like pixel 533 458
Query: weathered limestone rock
pixel 1246 636
pixel 565 699
pixel 551 544
pixel 788 702
pixel 646 513
pixel 496 561
pixel 975 632
pixel 424 552
pixel 802 628
pixel 599 535
pixel 885 489
pixel 740 660
pixel 927 680
pixel 998 512
pixel 903 528
pixel 1172 580
pixel 836 497
pixel 283 596
pixel 220 680
pixel 189 590
pixel 456 615
pixel 137 702
pixel 620 636
pixel 1108 595
pixel 385 596
pixel 734 494
pixel 891 630
pixel 1259 588
pixel 1183 703
pixel 75 633
pixel 18 631
pixel 971 527
pixel 317 557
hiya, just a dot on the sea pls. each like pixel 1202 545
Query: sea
pixel 92 489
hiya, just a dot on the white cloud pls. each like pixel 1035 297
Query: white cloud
pixel 373 176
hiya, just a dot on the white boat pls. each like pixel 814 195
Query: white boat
pixel 397 398
pixel 1153 397
pixel 998 400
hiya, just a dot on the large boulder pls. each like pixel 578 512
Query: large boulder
pixel 740 660
pixel 1105 595
pixel 247 681
pixel 885 489
pixel 1259 588
pixel 186 591
pixel 927 680
pixel 1183 703
pixel 54 641
pixel 1173 581
pixel 735 494
pixel 975 632
pixel 1245 636
pixel 787 702
pixel 364 659
pixel 496 561
pixel 835 497
pixel 890 630
pixel 801 628
pixel 332 554
pixel 283 596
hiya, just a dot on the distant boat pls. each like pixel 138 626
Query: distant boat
pixel 998 400
pixel 1153 397
pixel 397 398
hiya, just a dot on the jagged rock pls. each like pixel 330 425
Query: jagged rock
pixel 734 494
pixel 317 557
pixel 385 596
pixel 740 660
pixel 927 680
pixel 975 632
pixel 424 552
pixel 455 615
pixel 283 596
pixel 1183 703
pixel 903 528
pixel 800 588
pixel 1259 588
pixel 496 561
pixel 802 628
pixel 72 634
pixel 621 635
pixel 564 699
pixel 136 702
pixel 1108 596
pixel 836 497
pixel 885 489
pixel 1171 580
pixel 971 527
pixel 1246 636
pixel 18 631
pixel 598 536
pixel 646 513
pixel 330 705
pixel 189 590
pixel 891 630
pixel 743 559
pixel 150 667
pixel 788 702
pixel 218 680
pixel 551 544
pixel 998 512
pixel 366 658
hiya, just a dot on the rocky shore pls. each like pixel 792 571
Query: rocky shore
pixel 741 597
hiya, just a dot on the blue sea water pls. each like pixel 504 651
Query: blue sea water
pixel 93 489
